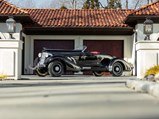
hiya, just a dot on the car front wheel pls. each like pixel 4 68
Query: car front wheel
pixel 41 72
pixel 117 69
pixel 56 68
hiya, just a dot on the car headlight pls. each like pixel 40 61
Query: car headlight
pixel 40 54
pixel 44 54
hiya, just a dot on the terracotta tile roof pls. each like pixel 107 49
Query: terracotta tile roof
pixel 10 9
pixel 79 18
pixel 150 9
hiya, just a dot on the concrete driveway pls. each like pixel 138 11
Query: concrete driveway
pixel 75 97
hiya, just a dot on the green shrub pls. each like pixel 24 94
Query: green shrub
pixel 2 76
pixel 152 71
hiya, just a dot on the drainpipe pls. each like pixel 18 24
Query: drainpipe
pixel 135 35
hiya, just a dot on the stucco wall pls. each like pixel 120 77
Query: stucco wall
pixel 29 48
pixel 10 50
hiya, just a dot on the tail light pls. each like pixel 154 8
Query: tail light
pixel 95 52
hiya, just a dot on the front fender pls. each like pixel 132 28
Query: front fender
pixel 65 61
pixel 51 59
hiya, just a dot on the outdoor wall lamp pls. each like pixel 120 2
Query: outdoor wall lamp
pixel 148 28
pixel 11 26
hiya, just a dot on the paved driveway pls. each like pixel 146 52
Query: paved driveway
pixel 74 98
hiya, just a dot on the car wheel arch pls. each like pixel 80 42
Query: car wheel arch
pixel 105 62
pixel 60 60
pixel 117 60
pixel 56 68
pixel 121 64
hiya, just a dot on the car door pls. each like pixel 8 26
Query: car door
pixel 87 60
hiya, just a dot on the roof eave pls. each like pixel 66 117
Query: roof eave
pixel 17 18
pixel 133 20
pixel 79 31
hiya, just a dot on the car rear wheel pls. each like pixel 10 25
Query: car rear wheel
pixel 98 73
pixel 56 68
pixel 117 69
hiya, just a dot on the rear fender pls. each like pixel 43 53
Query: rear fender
pixel 126 66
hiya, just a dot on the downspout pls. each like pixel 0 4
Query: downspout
pixel 135 36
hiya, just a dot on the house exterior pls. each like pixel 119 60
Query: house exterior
pixel 111 31
pixel 71 29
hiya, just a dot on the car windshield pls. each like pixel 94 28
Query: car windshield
pixel 83 49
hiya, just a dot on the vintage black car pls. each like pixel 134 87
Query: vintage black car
pixel 58 61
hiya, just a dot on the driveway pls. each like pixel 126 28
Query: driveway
pixel 75 97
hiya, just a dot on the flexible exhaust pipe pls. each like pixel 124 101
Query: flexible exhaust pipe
pixel 32 68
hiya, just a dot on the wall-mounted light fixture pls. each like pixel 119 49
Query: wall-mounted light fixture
pixel 148 28
pixel 11 26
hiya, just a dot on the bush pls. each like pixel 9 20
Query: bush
pixel 2 76
pixel 152 71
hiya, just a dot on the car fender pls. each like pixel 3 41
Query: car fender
pixel 126 65
pixel 67 61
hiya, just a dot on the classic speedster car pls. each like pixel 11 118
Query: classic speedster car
pixel 57 61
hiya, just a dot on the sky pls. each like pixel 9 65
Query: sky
pixel 41 2
pixel 45 3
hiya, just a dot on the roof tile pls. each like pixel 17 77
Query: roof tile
pixel 150 9
pixel 79 18
pixel 9 9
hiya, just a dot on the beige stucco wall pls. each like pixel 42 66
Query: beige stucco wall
pixel 29 41
pixel 147 56
pixel 10 52
pixel 141 36
pixel 10 60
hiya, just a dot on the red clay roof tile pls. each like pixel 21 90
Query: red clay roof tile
pixel 10 9
pixel 79 18
pixel 150 9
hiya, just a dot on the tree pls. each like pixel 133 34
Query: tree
pixel 63 7
pixel 91 4
pixel 127 5
pixel 138 3
pixel 72 4
pixel 114 4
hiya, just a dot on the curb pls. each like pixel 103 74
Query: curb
pixel 144 86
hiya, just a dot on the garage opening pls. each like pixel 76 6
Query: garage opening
pixel 111 47
pixel 52 44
